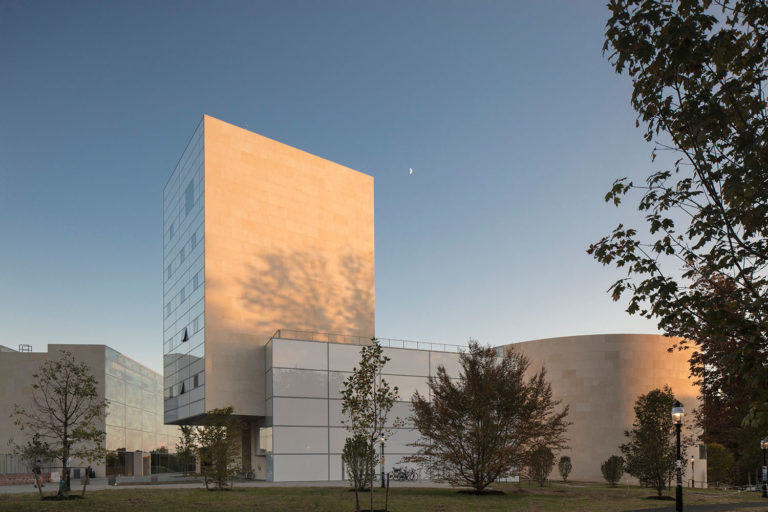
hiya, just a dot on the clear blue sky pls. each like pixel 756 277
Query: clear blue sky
pixel 512 119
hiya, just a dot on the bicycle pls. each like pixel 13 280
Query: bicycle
pixel 403 474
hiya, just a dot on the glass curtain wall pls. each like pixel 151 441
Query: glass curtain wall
pixel 134 420
pixel 183 285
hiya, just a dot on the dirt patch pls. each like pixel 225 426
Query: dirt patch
pixel 62 498
pixel 484 492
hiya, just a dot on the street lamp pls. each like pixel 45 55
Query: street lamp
pixel 764 447
pixel 382 460
pixel 693 473
pixel 677 418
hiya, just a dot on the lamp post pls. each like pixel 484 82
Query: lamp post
pixel 382 460
pixel 693 473
pixel 677 418
pixel 764 447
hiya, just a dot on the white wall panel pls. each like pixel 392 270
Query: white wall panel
pixel 299 383
pixel 335 468
pixel 299 354
pixel 338 436
pixel 299 468
pixel 299 411
pixel 398 441
pixel 335 414
pixel 449 360
pixel 336 383
pixel 406 362
pixel 299 440
pixel 343 357
pixel 407 386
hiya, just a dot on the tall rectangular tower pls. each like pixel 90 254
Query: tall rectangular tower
pixel 258 236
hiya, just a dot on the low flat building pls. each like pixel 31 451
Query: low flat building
pixel 599 377
pixel 134 420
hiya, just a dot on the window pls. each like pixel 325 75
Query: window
pixel 195 281
pixel 194 240
pixel 185 335
pixel 182 255
pixel 173 229
pixel 189 198
pixel 194 384
pixel 169 272
pixel 167 310
pixel 183 294
pixel 196 324
pixel 703 451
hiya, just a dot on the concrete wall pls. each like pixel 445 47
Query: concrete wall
pixel 289 243
pixel 600 377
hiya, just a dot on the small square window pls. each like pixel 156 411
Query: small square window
pixel 189 198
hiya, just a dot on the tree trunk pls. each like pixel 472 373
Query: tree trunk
pixel 39 484
pixel 386 497
pixel 357 497
pixel 87 479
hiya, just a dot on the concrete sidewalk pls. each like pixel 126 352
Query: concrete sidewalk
pixel 101 484
pixel 715 507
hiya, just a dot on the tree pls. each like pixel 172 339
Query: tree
pixel 564 466
pixel 612 469
pixel 720 464
pixel 651 450
pixel 185 448
pixel 541 460
pixel 485 425
pixel 367 399
pixel 698 70
pixel 65 413
pixel 218 446
pixel 359 461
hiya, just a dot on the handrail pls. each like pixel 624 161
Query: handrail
pixel 362 340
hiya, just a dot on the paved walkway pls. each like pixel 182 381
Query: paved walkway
pixel 717 507
pixel 101 484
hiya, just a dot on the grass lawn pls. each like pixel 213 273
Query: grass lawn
pixel 556 497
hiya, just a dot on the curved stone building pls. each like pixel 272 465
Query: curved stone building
pixel 600 376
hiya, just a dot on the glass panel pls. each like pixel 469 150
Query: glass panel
pixel 115 414
pixel 133 418
pixel 132 440
pixel 265 440
pixel 189 198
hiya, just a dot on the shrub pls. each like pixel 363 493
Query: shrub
pixel 720 464
pixel 565 467
pixel 540 464
pixel 613 469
